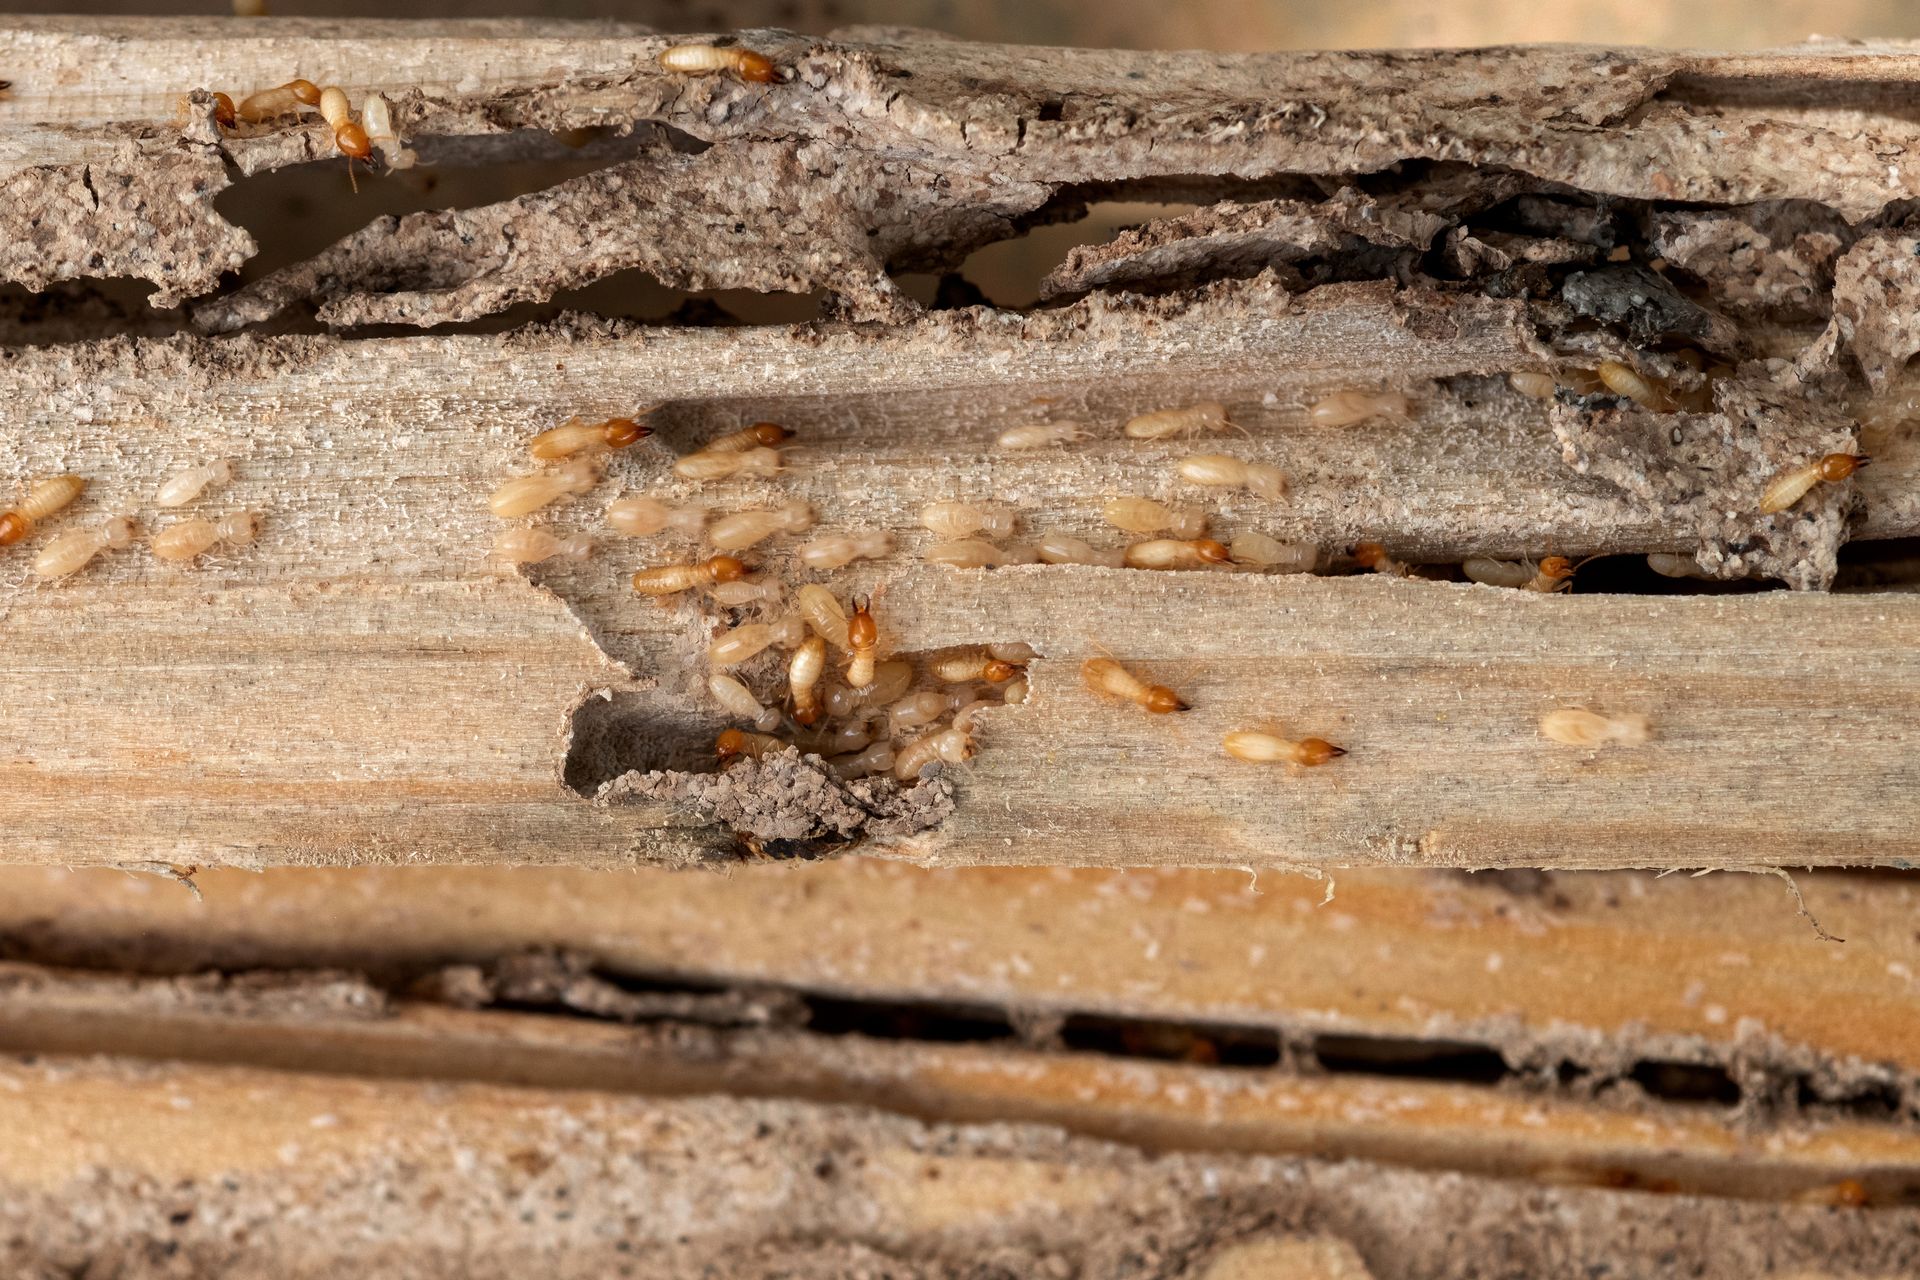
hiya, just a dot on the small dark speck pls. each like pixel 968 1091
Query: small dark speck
pixel 739 227
pixel 1136 75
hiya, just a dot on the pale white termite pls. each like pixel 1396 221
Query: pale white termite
pixel 790 631
pixel 823 613
pixel 1554 573
pixel 1221 471
pixel 1794 483
pixel 743 529
pixel 759 435
pixel 1259 550
pixel 705 59
pixel 1016 691
pixel 804 669
pixel 1144 515
pixel 523 495
pixel 1624 380
pixel 644 517
pixel 891 680
pixel 731 648
pixel 1039 435
pixel 183 487
pixel 863 642
pixel 44 498
pixel 1672 566
pixel 74 550
pixel 738 701
pixel 376 113
pixel 974 664
pixel 1346 408
pixel 1162 423
pixel 877 758
pixel 577 436
pixel 531 546
pixel 720 466
pixel 964 519
pixel 1015 651
pixel 836 550
pixel 947 746
pixel 1058 548
pixel 1578 727
pixel 974 553
pixel 670 579
pixel 916 710
pixel 733 595
pixel 1535 386
pixel 1256 747
pixel 190 538
pixel 1176 553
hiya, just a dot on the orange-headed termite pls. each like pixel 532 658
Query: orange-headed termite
pixel 1058 548
pixel 1222 471
pixel 804 669
pixel 1144 515
pixel 1792 484
pixel 823 613
pixel 1535 386
pixel 1259 550
pixel 575 436
pixel 190 538
pixel 74 550
pixel 349 136
pixel 1345 408
pixel 1176 553
pixel 863 642
pixel 734 745
pixel 670 579
pixel 1041 434
pixel 836 550
pixel 643 517
pixel 974 553
pixel 761 435
pixel 44 499
pixel 1554 573
pixel 1162 423
pixel 224 112
pixel 1105 676
pixel 376 115
pixel 707 465
pixel 184 486
pixel 1578 727
pixel 525 495
pixel 704 59
pixel 975 664
pixel 1266 748
pixel 1373 556
pixel 268 103
pixel 738 701
pixel 531 546
pixel 964 519
pixel 1624 380
pixel 744 528
pixel 946 746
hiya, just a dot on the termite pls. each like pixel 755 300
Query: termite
pixel 731 648
pixel 224 112
pixel 704 59
pixel 707 465
pixel 376 114
pixel 964 519
pixel 525 495
pixel 1623 380
pixel 1058 548
pixel 1041 434
pixel 350 137
pixel 1176 553
pixel 1346 408
pixel 1222 471
pixel 738 701
pixel 1106 676
pixel 976 664
pixel 1015 652
pixel 643 517
pixel 1162 423
pixel 1144 515
pixel 268 103
pixel 1554 573
pixel 1373 556
pixel 1535 386
pixel 671 579
pixel 840 549
pixel 184 486
pixel 973 553
pixel 44 499
pixel 761 435
pixel 1578 727
pixel 947 746
pixel 851 736
pixel 823 613
pixel 1672 566
pixel 891 680
pixel 743 529
pixel 531 546
pixel 804 669
pixel 1016 691
pixel 1266 748
pixel 863 642
pixel 877 758
pixel 1792 484
pixel 74 550
pixel 916 710
pixel 734 745
pixel 574 436
pixel 1270 553
pixel 734 595
pixel 191 538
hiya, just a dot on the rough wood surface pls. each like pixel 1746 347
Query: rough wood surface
pixel 359 687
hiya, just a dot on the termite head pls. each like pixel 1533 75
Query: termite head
pixel 621 432
pixel 996 671
pixel 1212 552
pixel 727 568
pixel 862 632
pixel 729 746
pixel 353 142
pixel 1558 568
pixel 809 716
pixel 1317 751
pixel 1369 554
pixel 305 92
pixel 756 68
pixel 1163 701
pixel 769 434
pixel 1838 466
pixel 223 113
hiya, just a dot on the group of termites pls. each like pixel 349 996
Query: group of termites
pixel 179 542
